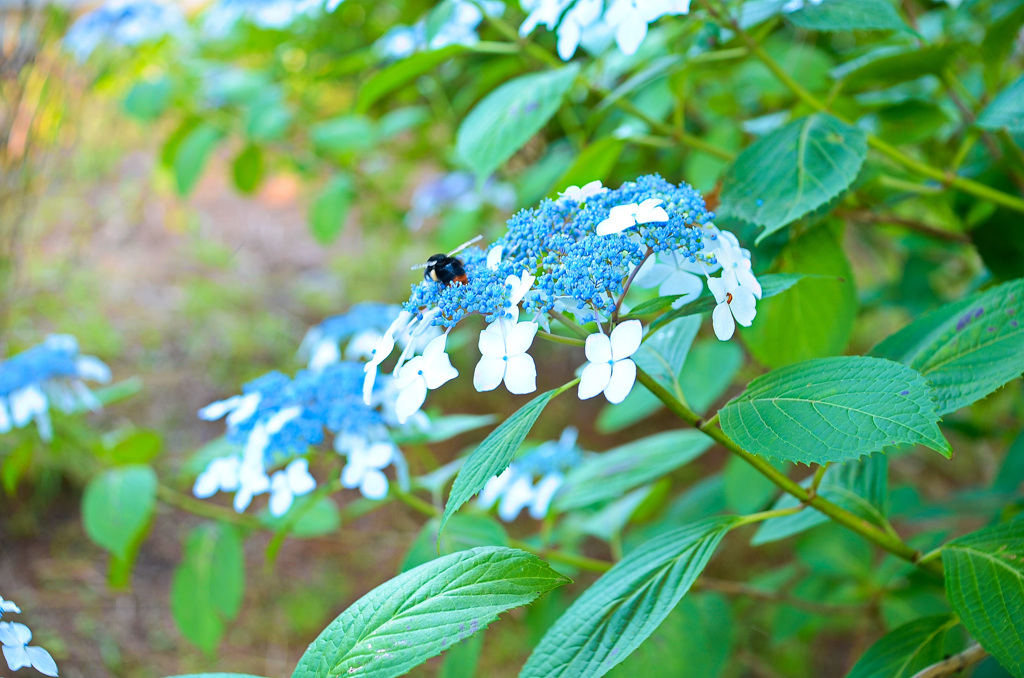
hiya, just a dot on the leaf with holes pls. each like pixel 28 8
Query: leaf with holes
pixel 506 118
pixel 985 586
pixel 420 613
pixel 625 606
pixel 793 171
pixel 966 349
pixel 834 409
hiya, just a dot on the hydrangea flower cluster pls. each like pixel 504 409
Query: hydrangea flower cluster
pixel 450 22
pixel 49 373
pixel 15 639
pixel 123 22
pixel 574 258
pixel 592 24
pixel 360 329
pixel 222 15
pixel 532 480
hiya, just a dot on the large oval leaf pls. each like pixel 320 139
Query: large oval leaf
pixel 622 608
pixel 117 506
pixel 985 586
pixel 966 349
pixel 849 15
pixel 191 155
pixel 418 614
pixel 494 454
pixel 506 118
pixel 793 171
pixel 904 651
pixel 834 409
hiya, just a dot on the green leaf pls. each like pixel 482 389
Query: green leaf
pixel 663 353
pixel 506 118
pixel 622 608
pixel 494 454
pixel 147 99
pixel 344 134
pixel 595 161
pixel 860 486
pixel 208 584
pixel 611 474
pixel 904 651
pixel 791 328
pixel 191 155
pixel 318 516
pixel 117 507
pixel 268 121
pixel 637 406
pixel 1006 111
pixel 793 171
pixel 849 15
pixel 462 659
pixel 708 371
pixel 464 532
pixel 216 675
pixel 400 73
pixel 746 489
pixel 609 521
pixel 330 208
pixel 985 586
pixel 247 169
pixel 138 447
pixel 696 639
pixel 443 428
pixel 1011 472
pixel 415 616
pixel 966 349
pixel 834 409
pixel 892 64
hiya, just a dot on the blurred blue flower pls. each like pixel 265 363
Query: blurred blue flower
pixel 222 15
pixel 14 639
pixel 49 373
pixel 360 328
pixel 450 22
pixel 123 22
pixel 456 190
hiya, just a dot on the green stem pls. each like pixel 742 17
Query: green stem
pixel 554 555
pixel 879 537
pixel 205 509
pixel 414 502
pixel 559 339
pixel 767 515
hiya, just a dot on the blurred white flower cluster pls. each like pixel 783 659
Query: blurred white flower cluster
pixel 15 639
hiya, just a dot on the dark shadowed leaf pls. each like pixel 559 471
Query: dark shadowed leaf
pixel 904 651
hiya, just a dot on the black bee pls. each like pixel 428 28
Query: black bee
pixel 445 268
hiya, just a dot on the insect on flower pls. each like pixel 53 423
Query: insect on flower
pixel 445 268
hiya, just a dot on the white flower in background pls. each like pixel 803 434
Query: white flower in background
pixel 14 638
pixel 672 274
pixel 364 469
pixel 503 350
pixel 631 17
pixel 797 5
pixel 581 193
pixel 610 369
pixel 293 481
pixel 735 263
pixel 424 372
pixel 383 349
pixel 221 475
pixel 545 12
pixel 734 301
pixel 576 21
pixel 515 490
pixel 626 216
pixel 8 606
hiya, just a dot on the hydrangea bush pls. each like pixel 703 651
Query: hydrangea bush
pixel 779 232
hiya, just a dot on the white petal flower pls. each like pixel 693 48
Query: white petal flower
pixel 521 284
pixel 735 262
pixel 220 475
pixel 495 487
pixel 15 638
pixel 428 371
pixel 8 606
pixel 582 15
pixel 382 351
pixel 293 481
pixel 610 369
pixel 580 194
pixel 734 301
pixel 543 493
pixel 517 496
pixel 650 211
pixel 364 469
pixel 672 274
pixel 503 345
pixel 252 481
pixel 544 12
pixel 494 257
pixel 246 407
pixel 619 219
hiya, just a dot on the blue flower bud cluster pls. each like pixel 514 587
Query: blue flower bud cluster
pixel 122 22
pixel 553 456
pixel 55 358
pixel 361 317
pixel 558 243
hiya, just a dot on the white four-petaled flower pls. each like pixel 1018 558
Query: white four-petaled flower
pixel 622 217
pixel 503 357
pixel 293 481
pixel 672 274
pixel 364 469
pixel 581 193
pixel 14 638
pixel 734 301
pixel 424 372
pixel 610 369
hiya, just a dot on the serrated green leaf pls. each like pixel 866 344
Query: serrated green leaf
pixel 966 349
pixel 985 586
pixel 849 15
pixel 494 454
pixel 247 169
pixel 611 474
pixel 400 73
pixel 834 409
pixel 330 208
pixel 506 118
pixel 117 507
pixel 793 171
pixel 415 616
pixel 772 339
pixel 463 532
pixel 622 608
pixel 191 155
pixel 904 651
pixel 860 486
pixel 1006 111
pixel 208 584
pixel 462 659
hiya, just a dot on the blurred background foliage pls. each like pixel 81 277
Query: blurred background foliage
pixel 188 206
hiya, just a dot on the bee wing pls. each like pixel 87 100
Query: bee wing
pixel 464 245
pixel 419 266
